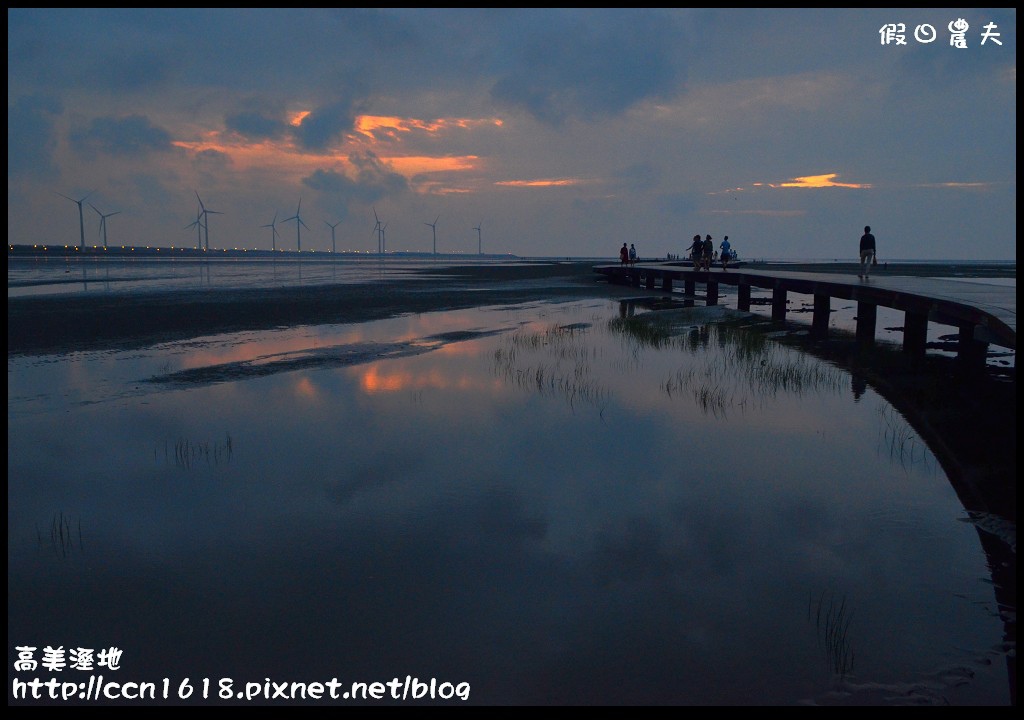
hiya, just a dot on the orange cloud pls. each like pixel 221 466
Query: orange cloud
pixel 417 164
pixel 380 134
pixel 541 183
pixel 376 126
pixel 819 181
pixel 297 118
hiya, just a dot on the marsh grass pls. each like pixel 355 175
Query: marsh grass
pixel 904 445
pixel 65 535
pixel 832 622
pixel 187 454
pixel 565 370
pixel 746 366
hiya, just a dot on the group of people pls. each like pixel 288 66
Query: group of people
pixel 703 253
pixel 627 255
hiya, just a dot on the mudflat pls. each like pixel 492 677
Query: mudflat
pixel 55 324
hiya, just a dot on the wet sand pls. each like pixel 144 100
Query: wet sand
pixel 43 325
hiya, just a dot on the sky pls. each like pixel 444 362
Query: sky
pixel 534 132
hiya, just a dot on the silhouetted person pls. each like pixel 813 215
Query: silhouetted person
pixel 726 249
pixel 632 254
pixel 624 254
pixel 696 251
pixel 709 250
pixel 867 252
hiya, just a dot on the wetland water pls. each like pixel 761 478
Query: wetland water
pixel 550 501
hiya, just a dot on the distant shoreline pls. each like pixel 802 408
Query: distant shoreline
pixel 910 266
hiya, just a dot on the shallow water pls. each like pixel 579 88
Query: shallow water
pixel 540 500
pixel 34 276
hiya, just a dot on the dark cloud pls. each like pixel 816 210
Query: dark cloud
pixel 641 176
pixel 134 135
pixel 371 171
pixel 31 140
pixel 940 65
pixel 256 125
pixel 373 182
pixel 677 205
pixel 574 68
pixel 326 124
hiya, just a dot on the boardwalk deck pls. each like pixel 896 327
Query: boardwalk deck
pixel 984 313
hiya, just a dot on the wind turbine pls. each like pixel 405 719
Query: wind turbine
pixel 103 222
pixel 383 239
pixel 299 224
pixel 198 225
pixel 81 217
pixel 333 247
pixel 273 233
pixel 206 223
pixel 479 241
pixel 433 226
pixel 378 231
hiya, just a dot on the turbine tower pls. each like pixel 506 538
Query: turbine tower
pixel 433 226
pixel 198 225
pixel 206 220
pixel 379 231
pixel 103 222
pixel 334 248
pixel 479 241
pixel 81 216
pixel 299 224
pixel 273 233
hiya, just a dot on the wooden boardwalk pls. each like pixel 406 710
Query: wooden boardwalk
pixel 984 313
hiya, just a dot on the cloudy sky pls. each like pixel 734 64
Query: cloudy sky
pixel 532 132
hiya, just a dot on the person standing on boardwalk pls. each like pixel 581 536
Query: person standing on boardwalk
pixel 726 249
pixel 867 252
pixel 624 254
pixel 632 254
pixel 709 250
pixel 696 251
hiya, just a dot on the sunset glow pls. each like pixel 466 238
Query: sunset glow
pixel 820 181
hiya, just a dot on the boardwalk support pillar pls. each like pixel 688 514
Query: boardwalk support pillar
pixel 743 297
pixel 915 333
pixel 712 293
pixel 971 353
pixel 867 317
pixel 822 311
pixel 779 304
